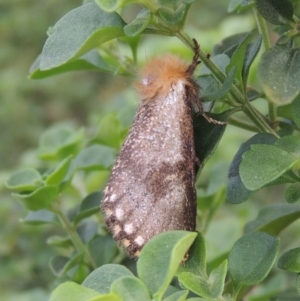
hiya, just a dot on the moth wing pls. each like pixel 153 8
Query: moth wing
pixel 151 189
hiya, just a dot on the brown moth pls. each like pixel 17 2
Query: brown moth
pixel 151 188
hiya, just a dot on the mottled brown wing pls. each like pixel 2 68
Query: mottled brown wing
pixel 151 188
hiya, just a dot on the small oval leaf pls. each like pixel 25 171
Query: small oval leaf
pixel 263 164
pixel 292 193
pixel 290 261
pixel 59 173
pixel 96 157
pixel 160 258
pixel 130 288
pixel 138 24
pixel 61 264
pixel 278 12
pixel 274 218
pixel 252 258
pixel 101 279
pixel 89 61
pixel 236 191
pixel 89 206
pixel 24 180
pixel 59 142
pixel 177 296
pixel 70 291
pixel 39 199
pixel 279 73
pixel 40 217
pixel 196 262
pixel 79 31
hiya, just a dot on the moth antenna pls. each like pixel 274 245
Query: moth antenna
pixel 192 67
pixel 190 71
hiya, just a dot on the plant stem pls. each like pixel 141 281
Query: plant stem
pixel 258 120
pixel 263 29
pixel 272 112
pixel 242 124
pixel 150 4
pixel 79 245
pixel 218 199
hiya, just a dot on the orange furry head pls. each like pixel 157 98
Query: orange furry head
pixel 160 74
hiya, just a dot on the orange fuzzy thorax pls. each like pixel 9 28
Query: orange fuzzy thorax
pixel 160 74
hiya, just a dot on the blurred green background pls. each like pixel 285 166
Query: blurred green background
pixel 28 107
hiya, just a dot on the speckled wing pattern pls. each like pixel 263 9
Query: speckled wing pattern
pixel 151 188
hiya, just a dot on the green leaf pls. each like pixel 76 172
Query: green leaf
pixel 278 12
pixel 39 199
pixel 59 142
pixel 292 193
pixel 160 258
pixel 290 144
pixel 263 164
pixel 59 241
pixel 208 135
pixel 239 5
pixel 107 297
pixel 279 73
pixel 101 279
pixel 79 31
pixel 210 90
pixel 289 294
pixel 229 45
pixel 96 157
pixel 286 38
pixel 298 283
pixel 89 206
pixel 113 5
pixel 295 110
pixel 104 245
pixel 178 296
pixel 236 191
pixel 89 61
pixel 138 24
pixel 59 173
pixel 221 61
pixel 189 1
pixel 27 179
pixel 130 288
pixel 274 218
pixel 109 132
pixel 269 288
pixel 251 53
pixel 70 291
pixel 87 230
pixel 217 279
pixel 208 287
pixel 61 264
pixel 252 258
pixel 172 16
pixel 40 217
pixel 238 57
pixel 290 261
pixel 196 262
pixel 170 291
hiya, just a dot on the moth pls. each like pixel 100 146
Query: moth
pixel 151 188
